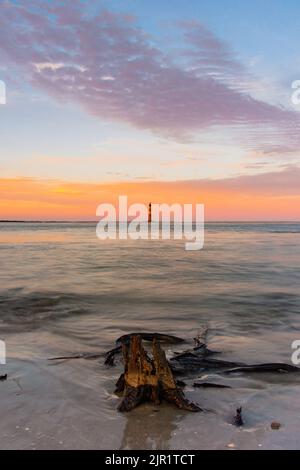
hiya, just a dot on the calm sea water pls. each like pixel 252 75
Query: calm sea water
pixel 63 291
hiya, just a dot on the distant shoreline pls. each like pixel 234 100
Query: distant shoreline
pixel 96 221
pixel 48 221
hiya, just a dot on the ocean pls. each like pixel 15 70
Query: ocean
pixel 65 292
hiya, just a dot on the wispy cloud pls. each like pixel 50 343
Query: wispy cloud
pixel 108 65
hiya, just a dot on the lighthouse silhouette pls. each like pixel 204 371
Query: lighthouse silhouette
pixel 150 213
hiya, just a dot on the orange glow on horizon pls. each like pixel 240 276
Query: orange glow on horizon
pixel 31 199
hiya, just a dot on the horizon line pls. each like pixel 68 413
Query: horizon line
pixel 66 221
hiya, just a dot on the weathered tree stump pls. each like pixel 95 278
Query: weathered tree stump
pixel 148 379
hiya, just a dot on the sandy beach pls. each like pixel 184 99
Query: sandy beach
pixel 59 305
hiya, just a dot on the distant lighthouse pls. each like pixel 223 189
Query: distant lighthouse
pixel 150 213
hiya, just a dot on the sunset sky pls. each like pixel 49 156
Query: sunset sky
pixel 182 101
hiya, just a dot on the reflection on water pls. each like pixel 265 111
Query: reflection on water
pixel 62 290
pixel 149 428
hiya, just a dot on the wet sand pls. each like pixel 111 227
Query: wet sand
pixel 71 405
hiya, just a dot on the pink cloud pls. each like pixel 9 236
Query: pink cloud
pixel 272 183
pixel 147 88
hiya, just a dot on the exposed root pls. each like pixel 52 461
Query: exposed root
pixel 209 385
pixel 238 419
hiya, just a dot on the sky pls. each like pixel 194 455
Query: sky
pixel 168 102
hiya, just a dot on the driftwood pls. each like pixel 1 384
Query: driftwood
pixel 148 379
pixel 196 361
pixel 238 419
pixel 111 355
pixel 155 379
pixel 170 339
pixel 272 367
pixel 209 385
pixel 76 356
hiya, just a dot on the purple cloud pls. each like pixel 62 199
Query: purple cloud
pixel 105 63
pixel 272 183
